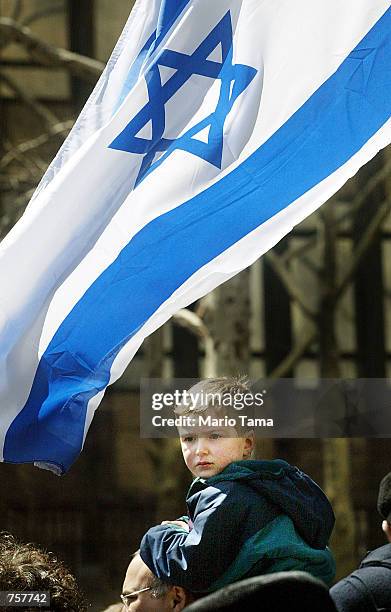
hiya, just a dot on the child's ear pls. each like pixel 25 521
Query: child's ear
pixel 249 443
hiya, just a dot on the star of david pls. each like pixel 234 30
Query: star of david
pixel 234 78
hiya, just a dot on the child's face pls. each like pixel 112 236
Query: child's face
pixel 208 451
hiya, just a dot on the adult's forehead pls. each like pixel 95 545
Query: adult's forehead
pixel 137 575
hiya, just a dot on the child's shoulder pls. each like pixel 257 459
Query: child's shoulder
pixel 253 468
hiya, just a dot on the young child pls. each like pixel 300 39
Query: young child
pixel 245 517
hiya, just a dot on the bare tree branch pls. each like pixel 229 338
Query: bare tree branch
pixel 192 322
pixel 328 344
pixel 310 334
pixel 310 265
pixel 346 314
pixel 289 284
pixel 44 114
pixel 297 251
pixel 6 222
pixel 15 184
pixel 16 9
pixel 21 202
pixel 58 129
pixel 42 14
pixel 25 162
pixel 48 55
pixel 307 337
pixel 363 245
pixel 354 206
pixel 205 305
pixel 364 192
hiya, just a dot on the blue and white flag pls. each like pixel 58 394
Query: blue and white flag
pixel 215 128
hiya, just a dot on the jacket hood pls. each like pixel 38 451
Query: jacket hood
pixel 291 490
pixel 377 556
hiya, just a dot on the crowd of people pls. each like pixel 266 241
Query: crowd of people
pixel 255 537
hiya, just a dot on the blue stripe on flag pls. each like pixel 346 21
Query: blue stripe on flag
pixel 322 135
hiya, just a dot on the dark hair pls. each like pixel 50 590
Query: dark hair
pixel 159 588
pixel 25 567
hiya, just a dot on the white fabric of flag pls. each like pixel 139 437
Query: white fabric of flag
pixel 214 129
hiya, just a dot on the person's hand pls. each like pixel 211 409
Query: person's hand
pixel 182 524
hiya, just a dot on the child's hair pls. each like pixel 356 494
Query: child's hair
pixel 227 396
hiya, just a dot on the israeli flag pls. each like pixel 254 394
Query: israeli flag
pixel 215 128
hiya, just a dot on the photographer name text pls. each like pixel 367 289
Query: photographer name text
pixel 200 420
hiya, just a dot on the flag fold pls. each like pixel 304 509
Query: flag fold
pixel 214 129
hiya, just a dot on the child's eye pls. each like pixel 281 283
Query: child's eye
pixel 188 439
pixel 215 436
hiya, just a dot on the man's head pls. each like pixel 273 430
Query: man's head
pixel 384 504
pixel 277 592
pixel 142 591
pixel 216 438
pixel 24 567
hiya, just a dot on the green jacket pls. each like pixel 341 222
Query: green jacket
pixel 255 517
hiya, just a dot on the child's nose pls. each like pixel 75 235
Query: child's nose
pixel 202 448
